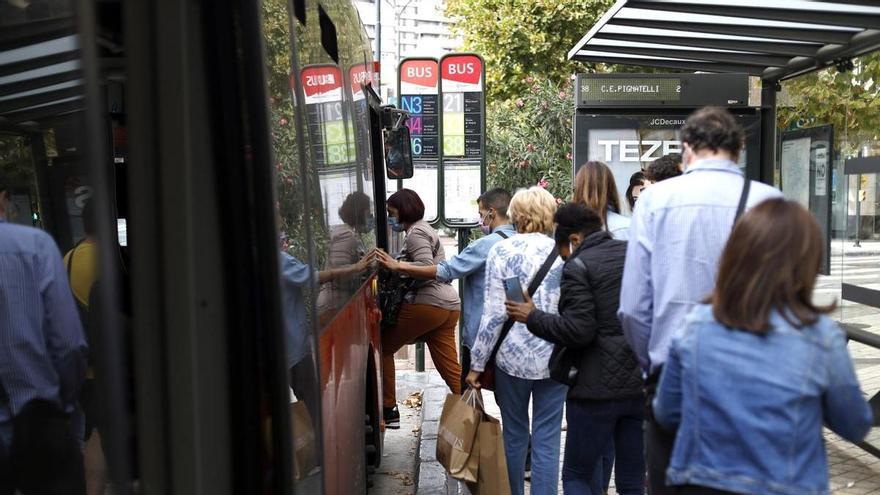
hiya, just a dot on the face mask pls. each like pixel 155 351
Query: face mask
pixel 395 225
pixel 367 226
pixel 485 228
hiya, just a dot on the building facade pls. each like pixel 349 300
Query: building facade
pixel 410 28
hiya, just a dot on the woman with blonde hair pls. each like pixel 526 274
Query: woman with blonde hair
pixel 595 188
pixel 521 359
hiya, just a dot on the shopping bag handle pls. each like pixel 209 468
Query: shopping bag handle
pixel 473 397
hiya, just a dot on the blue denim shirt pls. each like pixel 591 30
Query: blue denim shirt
pixel 470 264
pixel 749 408
pixel 296 277
pixel 678 230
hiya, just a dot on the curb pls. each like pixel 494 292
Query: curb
pixel 431 476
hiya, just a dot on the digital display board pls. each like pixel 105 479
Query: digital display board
pixel 462 88
pixel 419 96
pixel 625 89
pixel 464 131
pixel 331 134
pixel 680 90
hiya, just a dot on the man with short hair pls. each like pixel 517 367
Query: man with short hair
pixel 676 238
pixel 469 264
pixel 665 167
pixel 42 364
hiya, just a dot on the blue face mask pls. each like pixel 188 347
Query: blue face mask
pixel 395 225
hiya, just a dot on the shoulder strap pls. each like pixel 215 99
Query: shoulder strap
pixel 502 234
pixel 743 199
pixel 533 287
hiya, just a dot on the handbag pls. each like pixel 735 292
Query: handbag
pixel 487 377
pixel 394 289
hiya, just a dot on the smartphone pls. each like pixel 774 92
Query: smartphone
pixel 514 289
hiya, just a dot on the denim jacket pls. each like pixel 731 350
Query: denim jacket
pixel 470 265
pixel 750 408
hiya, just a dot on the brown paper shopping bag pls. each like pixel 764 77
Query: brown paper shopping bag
pixel 492 478
pixel 457 435
pixel 305 451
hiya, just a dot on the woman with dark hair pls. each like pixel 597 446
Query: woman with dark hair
pixel 637 183
pixel 604 402
pixel 594 187
pixel 759 368
pixel 430 310
pixel 345 249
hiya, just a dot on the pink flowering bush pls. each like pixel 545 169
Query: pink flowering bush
pixel 529 138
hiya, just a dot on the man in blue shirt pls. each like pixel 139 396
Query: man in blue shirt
pixel 469 264
pixel 43 354
pixel 678 231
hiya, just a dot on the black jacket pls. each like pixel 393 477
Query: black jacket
pixel 587 322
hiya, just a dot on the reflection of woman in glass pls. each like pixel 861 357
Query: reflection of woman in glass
pixel 345 248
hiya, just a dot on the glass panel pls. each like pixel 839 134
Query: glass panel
pixel 296 222
pixel 50 187
pixel 662 15
pixel 861 268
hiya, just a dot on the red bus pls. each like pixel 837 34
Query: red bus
pixel 233 154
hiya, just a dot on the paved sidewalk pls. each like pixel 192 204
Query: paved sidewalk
pixel 853 471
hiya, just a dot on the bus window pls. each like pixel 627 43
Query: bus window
pixel 300 270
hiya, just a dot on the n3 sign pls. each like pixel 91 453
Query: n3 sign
pixel 418 96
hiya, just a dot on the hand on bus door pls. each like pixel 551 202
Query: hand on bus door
pixel 387 261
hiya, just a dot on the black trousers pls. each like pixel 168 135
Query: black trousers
pixel 45 456
pixel 658 443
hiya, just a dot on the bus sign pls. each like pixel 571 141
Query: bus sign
pixel 419 96
pixel 462 79
pixel 328 133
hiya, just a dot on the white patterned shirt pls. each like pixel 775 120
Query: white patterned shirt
pixel 522 354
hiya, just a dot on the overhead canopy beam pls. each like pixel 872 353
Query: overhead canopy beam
pixel 31 33
pixel 670 64
pixel 48 111
pixel 786 34
pixel 827 17
pixel 38 62
pixel 37 99
pixel 707 56
pixel 773 41
pixel 39 82
pixel 791 49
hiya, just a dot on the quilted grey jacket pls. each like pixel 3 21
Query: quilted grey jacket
pixel 587 322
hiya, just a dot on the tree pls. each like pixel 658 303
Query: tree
pixel 529 139
pixel 523 38
pixel 848 100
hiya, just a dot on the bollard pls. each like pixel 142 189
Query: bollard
pixel 420 356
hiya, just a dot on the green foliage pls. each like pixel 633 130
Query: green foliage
pixel 521 38
pixel 529 138
pixel 848 100
pixel 295 216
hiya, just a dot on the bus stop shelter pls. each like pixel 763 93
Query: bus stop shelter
pixel 774 40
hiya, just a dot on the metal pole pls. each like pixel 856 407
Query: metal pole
pixel 768 132
pixel 378 33
pixel 463 240
pixel 858 211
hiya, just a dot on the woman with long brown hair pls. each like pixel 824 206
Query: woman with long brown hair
pixel 595 188
pixel 760 367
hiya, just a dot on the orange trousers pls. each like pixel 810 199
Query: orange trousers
pixel 435 326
